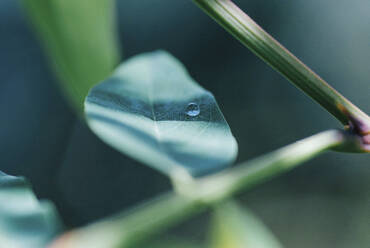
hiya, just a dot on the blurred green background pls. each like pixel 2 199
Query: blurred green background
pixel 325 203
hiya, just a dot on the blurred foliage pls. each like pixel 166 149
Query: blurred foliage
pixel 174 243
pixel 234 227
pixel 80 38
pixel 24 221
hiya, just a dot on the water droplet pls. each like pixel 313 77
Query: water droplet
pixel 192 109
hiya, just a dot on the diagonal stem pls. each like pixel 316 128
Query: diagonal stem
pixel 242 27
pixel 131 228
pixel 222 185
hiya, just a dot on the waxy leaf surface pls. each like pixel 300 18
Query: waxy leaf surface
pixel 152 110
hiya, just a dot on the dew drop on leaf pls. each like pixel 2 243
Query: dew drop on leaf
pixel 192 109
pixel 153 111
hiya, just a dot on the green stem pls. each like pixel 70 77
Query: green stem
pixel 242 27
pixel 130 228
pixel 134 226
pixel 217 187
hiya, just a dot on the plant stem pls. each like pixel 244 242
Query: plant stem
pixel 242 27
pixel 130 228
pixel 134 226
pixel 219 186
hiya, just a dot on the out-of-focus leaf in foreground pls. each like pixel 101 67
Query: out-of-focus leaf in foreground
pixel 24 221
pixel 233 227
pixel 152 110
pixel 80 39
pixel 173 243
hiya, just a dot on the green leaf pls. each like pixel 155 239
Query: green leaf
pixel 153 111
pixel 236 228
pixel 24 221
pixel 80 39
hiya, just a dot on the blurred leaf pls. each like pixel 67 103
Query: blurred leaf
pixel 236 228
pixel 172 243
pixel 80 39
pixel 153 111
pixel 24 221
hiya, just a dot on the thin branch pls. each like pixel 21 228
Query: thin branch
pixel 243 28
pixel 219 186
pixel 131 228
